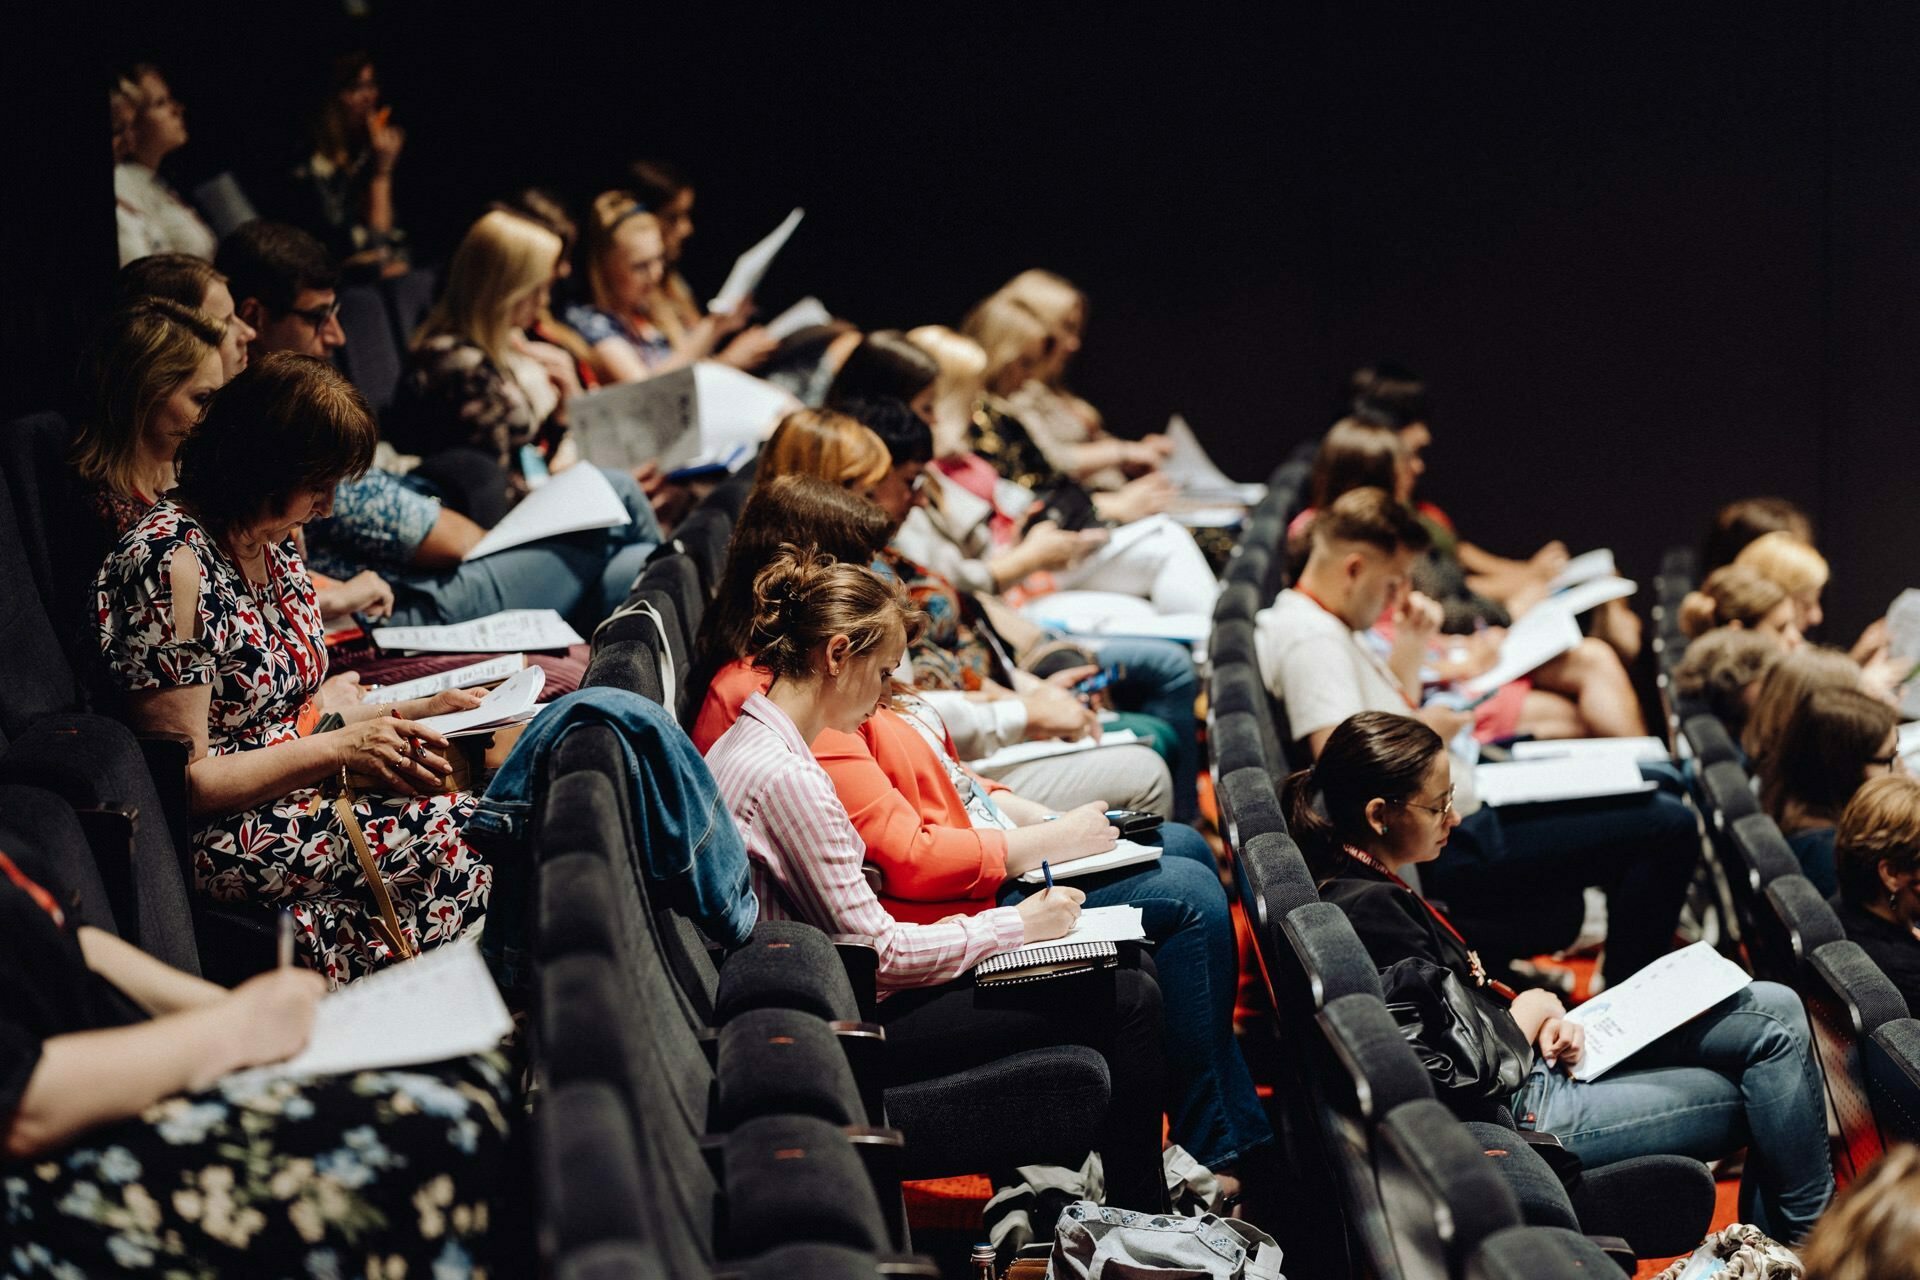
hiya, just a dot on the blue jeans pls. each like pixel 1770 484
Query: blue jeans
pixel 1160 682
pixel 1502 864
pixel 584 576
pixel 1215 1112
pixel 1741 1073
pixel 686 846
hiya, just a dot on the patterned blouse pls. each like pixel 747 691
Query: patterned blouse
pixel 596 326
pixel 951 653
pixel 453 395
pixel 378 522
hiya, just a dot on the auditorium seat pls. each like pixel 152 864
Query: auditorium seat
pixel 1248 564
pixel 633 650
pixel 703 537
pixel 373 357
pixel 1232 643
pixel 1237 600
pixel 671 571
pixel 1273 881
pixel 1848 999
pixel 1442 1195
pixel 1236 686
pixel 1538 1253
pixel 1761 855
pixel 1234 741
pixel 1796 922
pixel 1709 740
pixel 409 297
pixel 1891 1059
pixel 1249 806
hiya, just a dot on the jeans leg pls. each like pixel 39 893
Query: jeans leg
pixel 1758 1038
pixel 1160 681
pixel 1216 1112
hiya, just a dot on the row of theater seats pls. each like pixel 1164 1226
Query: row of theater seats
pixel 1416 1191
pixel 1869 1046
pixel 378 321
pixel 695 1118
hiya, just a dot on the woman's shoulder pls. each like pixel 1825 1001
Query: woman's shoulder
pixel 592 323
pixel 151 539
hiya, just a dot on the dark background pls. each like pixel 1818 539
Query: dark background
pixel 1649 261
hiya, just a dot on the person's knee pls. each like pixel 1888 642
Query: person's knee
pixel 1177 840
pixel 1136 1000
pixel 1783 1008
pixel 1138 779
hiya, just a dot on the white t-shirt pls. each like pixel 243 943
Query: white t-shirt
pixel 1324 672
pixel 152 219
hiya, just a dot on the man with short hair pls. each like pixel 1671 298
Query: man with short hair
pixel 284 285
pixel 1500 865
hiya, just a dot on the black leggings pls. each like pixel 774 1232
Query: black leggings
pixel 935 1031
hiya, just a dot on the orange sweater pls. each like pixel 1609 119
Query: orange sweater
pixel 932 861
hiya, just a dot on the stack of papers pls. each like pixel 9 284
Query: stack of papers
pixel 576 500
pixel 443 1005
pixel 509 631
pixel 1635 749
pixel 1560 778
pixel 1196 475
pixel 1125 853
pixel 1625 1019
pixel 466 677
pixel 510 703
pixel 1096 924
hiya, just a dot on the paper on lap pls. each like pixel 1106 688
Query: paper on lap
pixel 1552 748
pixel 750 268
pixel 673 418
pixel 1546 632
pixel 1097 924
pixel 1584 568
pixel 1125 853
pixel 1569 777
pixel 443 1005
pixel 509 703
pixel 509 631
pixel 459 678
pixel 578 499
pixel 1674 989
pixel 1026 752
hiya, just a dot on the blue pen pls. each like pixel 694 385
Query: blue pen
pixel 1046 871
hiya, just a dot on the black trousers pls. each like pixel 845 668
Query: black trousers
pixel 935 1031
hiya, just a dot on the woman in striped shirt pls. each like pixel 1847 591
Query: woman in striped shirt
pixel 831 634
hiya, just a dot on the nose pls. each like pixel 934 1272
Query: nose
pixel 332 335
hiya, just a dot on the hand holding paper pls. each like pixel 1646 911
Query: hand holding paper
pixel 751 267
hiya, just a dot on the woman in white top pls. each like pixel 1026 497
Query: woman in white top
pixel 831 633
pixel 151 217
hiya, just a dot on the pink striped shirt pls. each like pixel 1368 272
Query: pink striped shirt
pixel 807 856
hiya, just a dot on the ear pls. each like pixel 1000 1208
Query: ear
pixel 838 647
pixel 1889 878
pixel 1352 565
pixel 1377 815
pixel 253 311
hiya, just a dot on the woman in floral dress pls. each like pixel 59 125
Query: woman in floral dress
pixel 127 1147
pixel 207 618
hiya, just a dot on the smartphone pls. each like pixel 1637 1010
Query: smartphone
pixel 1100 680
pixel 1134 822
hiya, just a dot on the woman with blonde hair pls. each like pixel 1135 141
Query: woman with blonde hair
pixel 192 282
pixel 1795 566
pixel 1741 596
pixel 475 381
pixel 1876 852
pixel 151 216
pixel 633 330
pixel 154 367
pixel 1070 430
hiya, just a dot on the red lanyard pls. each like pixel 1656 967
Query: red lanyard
pixel 41 898
pixel 295 641
pixel 1367 860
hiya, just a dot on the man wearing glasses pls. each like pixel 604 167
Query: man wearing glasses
pixel 283 284
pixel 1512 875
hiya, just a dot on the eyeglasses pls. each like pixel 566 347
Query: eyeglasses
pixel 317 316
pixel 1891 763
pixel 1444 808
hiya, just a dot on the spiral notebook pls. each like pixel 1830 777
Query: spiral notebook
pixel 1094 943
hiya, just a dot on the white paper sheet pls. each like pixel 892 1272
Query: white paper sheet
pixel 1635 749
pixel 1101 613
pixel 1046 749
pixel 1559 778
pixel 1593 593
pixel 1546 632
pixel 1622 1020
pixel 673 418
pixel 804 314
pixel 1909 747
pixel 1190 468
pixel 508 703
pixel 750 268
pixel 574 501
pixel 443 1005
pixel 1584 568
pixel 509 631
pixel 459 678
pixel 1211 517
pixel 1096 924
pixel 1125 853
pixel 1903 638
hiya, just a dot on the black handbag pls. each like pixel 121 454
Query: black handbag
pixel 1471 1049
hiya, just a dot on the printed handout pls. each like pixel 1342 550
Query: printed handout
pixel 750 268
pixel 509 631
pixel 576 500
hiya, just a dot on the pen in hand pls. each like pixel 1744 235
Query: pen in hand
pixel 286 939
pixel 1047 871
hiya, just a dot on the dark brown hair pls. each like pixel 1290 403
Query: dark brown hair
pixel 1880 824
pixel 1354 455
pixel 287 423
pixel 177 277
pixel 1372 755
pixel 1738 523
pixel 1373 517
pixel 802 600
pixel 1830 739
pixel 796 510
pixel 884 364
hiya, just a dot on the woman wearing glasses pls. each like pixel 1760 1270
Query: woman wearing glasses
pixel 1834 741
pixel 1740 1074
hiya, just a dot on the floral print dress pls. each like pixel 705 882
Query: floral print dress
pixel 259 650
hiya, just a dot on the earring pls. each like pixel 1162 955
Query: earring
pixel 1379 830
